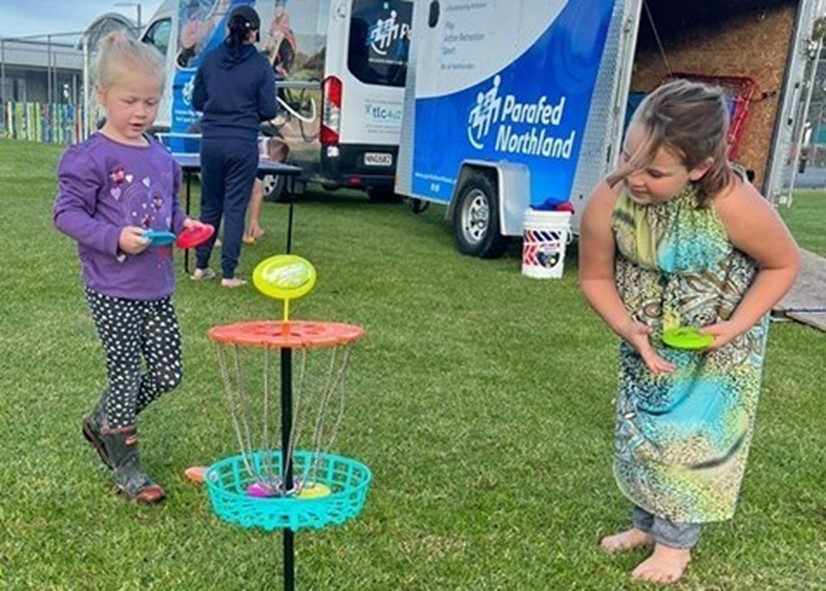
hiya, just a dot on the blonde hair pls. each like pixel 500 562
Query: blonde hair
pixel 691 120
pixel 119 55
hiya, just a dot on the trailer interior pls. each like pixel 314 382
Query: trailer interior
pixel 745 45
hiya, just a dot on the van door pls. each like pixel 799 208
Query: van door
pixel 159 35
pixel 366 67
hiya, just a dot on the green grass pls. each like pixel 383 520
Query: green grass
pixel 807 220
pixel 481 400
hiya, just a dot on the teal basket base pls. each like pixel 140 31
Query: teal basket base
pixel 227 482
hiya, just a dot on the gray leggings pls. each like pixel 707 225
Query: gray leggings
pixel 666 532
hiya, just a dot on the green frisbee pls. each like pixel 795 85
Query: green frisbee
pixel 686 337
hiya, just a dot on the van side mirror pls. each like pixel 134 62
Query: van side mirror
pixel 433 15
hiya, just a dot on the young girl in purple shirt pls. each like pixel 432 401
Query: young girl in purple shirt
pixel 112 188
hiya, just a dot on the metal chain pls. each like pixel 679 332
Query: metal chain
pixel 334 384
pixel 243 403
pixel 265 443
pixel 300 408
pixel 233 408
pixel 307 392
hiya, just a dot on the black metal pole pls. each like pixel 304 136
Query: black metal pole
pixel 188 191
pixel 286 461
pixel 286 428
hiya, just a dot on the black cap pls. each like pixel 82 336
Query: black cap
pixel 248 15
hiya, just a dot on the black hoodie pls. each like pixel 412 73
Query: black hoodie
pixel 235 90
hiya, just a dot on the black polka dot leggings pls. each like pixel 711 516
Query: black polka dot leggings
pixel 132 331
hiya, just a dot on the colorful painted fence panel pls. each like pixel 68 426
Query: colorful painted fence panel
pixel 38 122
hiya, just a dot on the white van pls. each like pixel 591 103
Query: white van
pixel 341 68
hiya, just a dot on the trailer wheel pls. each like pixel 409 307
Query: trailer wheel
pixel 476 229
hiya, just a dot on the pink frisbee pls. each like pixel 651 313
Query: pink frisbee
pixel 195 235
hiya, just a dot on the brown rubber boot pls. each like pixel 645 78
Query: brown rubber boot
pixel 130 479
pixel 92 426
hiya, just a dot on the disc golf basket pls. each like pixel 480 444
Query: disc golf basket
pixel 272 484
pixel 739 91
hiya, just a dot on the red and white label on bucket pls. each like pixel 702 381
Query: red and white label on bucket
pixel 542 248
pixel 544 237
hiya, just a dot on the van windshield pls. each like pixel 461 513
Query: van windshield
pixel 379 41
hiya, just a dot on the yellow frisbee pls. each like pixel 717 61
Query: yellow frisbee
pixel 284 276
pixel 314 490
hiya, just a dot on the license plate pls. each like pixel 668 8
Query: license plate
pixel 378 159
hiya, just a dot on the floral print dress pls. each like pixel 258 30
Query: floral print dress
pixel 682 439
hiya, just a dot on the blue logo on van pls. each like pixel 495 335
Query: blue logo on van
pixel 187 91
pixel 485 112
pixel 386 32
pixel 521 127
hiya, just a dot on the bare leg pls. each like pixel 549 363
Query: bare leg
pixel 254 230
pixel 626 540
pixel 666 565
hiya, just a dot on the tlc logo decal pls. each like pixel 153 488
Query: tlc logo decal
pixel 380 113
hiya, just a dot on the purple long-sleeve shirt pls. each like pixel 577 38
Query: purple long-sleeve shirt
pixel 104 186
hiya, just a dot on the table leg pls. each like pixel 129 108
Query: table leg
pixel 186 209
pixel 289 186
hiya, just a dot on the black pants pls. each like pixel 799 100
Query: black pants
pixel 132 331
pixel 228 170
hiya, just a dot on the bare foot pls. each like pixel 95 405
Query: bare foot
pixel 202 274
pixel 627 540
pixel 233 282
pixel 665 565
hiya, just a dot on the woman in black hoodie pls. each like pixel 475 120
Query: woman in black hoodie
pixel 235 89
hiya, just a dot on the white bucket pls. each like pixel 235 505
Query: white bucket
pixel 544 236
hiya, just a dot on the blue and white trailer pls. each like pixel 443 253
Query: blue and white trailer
pixel 518 103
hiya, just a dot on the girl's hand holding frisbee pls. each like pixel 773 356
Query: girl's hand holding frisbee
pixel 722 333
pixel 194 234
pixel 132 240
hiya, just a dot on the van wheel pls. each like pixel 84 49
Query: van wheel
pixel 274 188
pixel 476 228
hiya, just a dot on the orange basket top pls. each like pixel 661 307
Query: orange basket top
pixel 293 334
